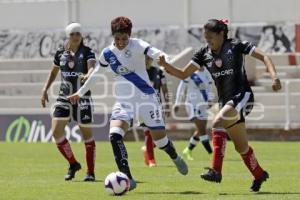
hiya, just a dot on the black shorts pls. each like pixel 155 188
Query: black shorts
pixel 81 112
pixel 243 103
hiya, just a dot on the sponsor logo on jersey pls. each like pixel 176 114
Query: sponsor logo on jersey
pixel 223 73
pixel 71 64
pixel 209 64
pixel 86 117
pixel 229 52
pixel 71 74
pixel 122 70
pixel 219 63
pixel 128 53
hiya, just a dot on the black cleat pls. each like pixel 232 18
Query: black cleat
pixel 90 177
pixel 72 170
pixel 256 184
pixel 212 175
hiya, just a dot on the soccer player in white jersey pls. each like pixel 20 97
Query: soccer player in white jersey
pixel 195 93
pixel 135 97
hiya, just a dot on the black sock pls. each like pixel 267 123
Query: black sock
pixel 207 146
pixel 191 145
pixel 120 153
pixel 170 150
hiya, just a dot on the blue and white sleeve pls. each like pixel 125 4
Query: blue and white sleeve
pixel 102 60
pixel 152 52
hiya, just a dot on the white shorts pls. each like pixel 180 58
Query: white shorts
pixel 147 112
pixel 196 111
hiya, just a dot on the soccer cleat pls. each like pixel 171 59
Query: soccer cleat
pixel 152 163
pixel 90 177
pixel 132 184
pixel 72 170
pixel 256 184
pixel 187 153
pixel 181 165
pixel 212 175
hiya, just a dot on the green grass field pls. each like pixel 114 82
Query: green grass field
pixel 36 171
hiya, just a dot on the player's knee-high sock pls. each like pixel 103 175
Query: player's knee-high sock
pixel 120 153
pixel 219 144
pixel 149 145
pixel 205 142
pixel 252 163
pixel 90 154
pixel 193 142
pixel 64 147
pixel 167 145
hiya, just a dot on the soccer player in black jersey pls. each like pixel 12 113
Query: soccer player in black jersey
pixel 76 62
pixel 159 83
pixel 224 59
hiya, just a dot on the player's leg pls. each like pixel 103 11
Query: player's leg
pixel 198 136
pixel 226 117
pixel 90 151
pixel 191 112
pixel 164 143
pixel 238 136
pixel 149 149
pixel 117 131
pixel 203 136
pixel 84 117
pixel 63 145
pixel 152 116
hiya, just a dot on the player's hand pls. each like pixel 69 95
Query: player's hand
pixel 276 84
pixel 44 98
pixel 161 60
pixel 74 98
pixel 83 78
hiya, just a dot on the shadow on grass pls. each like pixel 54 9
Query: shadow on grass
pixel 262 193
pixel 82 181
pixel 181 193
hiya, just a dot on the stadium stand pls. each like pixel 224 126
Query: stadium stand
pixel 20 90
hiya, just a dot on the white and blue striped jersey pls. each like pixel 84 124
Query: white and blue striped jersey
pixel 195 89
pixel 128 66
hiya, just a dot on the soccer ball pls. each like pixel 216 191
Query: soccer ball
pixel 117 183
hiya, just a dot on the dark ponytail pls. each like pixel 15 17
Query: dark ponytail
pixel 217 26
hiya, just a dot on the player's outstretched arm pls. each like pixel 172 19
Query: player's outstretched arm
pixel 50 80
pixel 258 54
pixel 91 64
pixel 90 81
pixel 179 73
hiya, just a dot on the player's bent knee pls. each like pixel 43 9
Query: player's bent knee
pixel 116 130
pixel 161 143
pixel 217 123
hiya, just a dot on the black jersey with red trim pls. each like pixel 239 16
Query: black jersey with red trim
pixel 227 68
pixel 156 77
pixel 72 67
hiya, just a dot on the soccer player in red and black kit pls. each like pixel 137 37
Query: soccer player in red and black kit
pixel 76 62
pixel 224 59
pixel 159 83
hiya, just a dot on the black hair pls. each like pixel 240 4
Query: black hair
pixel 217 26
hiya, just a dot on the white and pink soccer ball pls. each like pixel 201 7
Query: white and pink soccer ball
pixel 117 183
